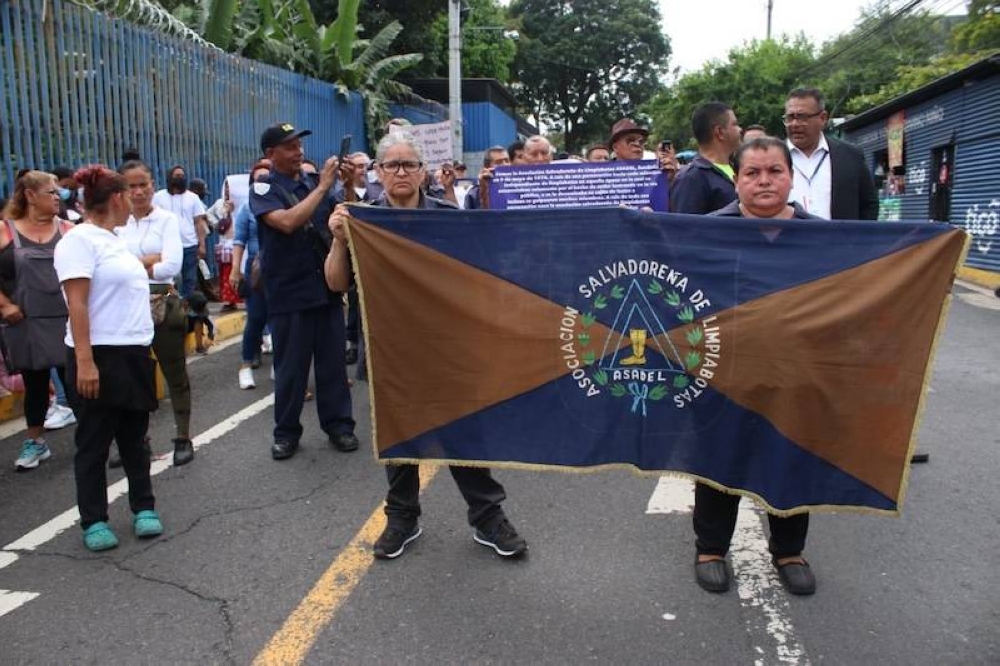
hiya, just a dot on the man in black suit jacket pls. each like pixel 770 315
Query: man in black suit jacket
pixel 831 177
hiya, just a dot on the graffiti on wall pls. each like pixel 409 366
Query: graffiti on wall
pixel 983 223
pixel 916 176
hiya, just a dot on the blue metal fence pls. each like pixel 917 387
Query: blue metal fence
pixel 79 87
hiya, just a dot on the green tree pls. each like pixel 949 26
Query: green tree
pixel 754 80
pixel 486 52
pixel 365 66
pixel 417 19
pixel 582 64
pixel 981 32
pixel 859 62
pixel 968 41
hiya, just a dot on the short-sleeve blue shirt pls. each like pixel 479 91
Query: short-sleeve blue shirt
pixel 291 264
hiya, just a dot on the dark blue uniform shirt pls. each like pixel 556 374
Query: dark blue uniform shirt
pixel 701 188
pixel 292 264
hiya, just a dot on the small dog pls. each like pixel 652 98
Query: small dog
pixel 198 320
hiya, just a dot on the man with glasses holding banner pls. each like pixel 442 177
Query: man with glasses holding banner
pixel 831 178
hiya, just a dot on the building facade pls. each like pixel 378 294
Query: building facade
pixel 935 153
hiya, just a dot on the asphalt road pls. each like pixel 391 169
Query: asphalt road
pixel 268 561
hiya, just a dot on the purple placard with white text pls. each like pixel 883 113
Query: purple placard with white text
pixel 632 183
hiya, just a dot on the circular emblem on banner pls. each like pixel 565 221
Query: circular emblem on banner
pixel 639 337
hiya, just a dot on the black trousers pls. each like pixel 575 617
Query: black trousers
pixel 96 426
pixel 353 315
pixel 310 336
pixel 36 394
pixel 715 520
pixel 481 491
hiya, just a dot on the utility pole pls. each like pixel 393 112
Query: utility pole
pixel 455 77
pixel 770 8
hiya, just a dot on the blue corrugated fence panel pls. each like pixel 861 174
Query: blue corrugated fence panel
pixel 975 203
pixel 486 125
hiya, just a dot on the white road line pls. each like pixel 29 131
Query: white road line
pixel 13 600
pixel 984 301
pixel 764 600
pixel 971 286
pixel 68 518
pixel 672 495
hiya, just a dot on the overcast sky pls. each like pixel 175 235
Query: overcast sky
pixel 702 30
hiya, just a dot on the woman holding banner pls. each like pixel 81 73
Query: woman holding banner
pixel 763 183
pixel 401 170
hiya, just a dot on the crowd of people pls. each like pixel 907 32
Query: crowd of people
pixel 128 259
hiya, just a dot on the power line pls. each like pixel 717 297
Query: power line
pixel 861 38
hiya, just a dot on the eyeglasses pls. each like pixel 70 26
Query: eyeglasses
pixel 790 118
pixel 636 141
pixel 407 167
pixel 53 192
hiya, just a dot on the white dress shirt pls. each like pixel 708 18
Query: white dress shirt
pixel 813 178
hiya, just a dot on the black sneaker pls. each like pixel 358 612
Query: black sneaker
pixel 393 541
pixel 503 538
pixel 345 441
pixel 283 448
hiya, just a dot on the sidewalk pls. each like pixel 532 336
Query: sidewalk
pixel 987 279
pixel 227 325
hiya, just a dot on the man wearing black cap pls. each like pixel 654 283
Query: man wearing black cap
pixel 306 320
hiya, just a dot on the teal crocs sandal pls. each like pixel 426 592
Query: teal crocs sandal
pixel 147 524
pixel 99 537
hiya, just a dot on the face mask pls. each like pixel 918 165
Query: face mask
pixel 64 194
pixel 179 183
pixel 372 176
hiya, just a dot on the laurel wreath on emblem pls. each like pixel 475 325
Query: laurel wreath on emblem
pixel 683 313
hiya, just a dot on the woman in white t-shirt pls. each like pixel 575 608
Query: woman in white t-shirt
pixel 152 234
pixel 110 372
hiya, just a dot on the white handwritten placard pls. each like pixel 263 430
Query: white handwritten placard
pixel 434 140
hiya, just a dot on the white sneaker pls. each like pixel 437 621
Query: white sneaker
pixel 59 417
pixel 246 379
pixel 265 346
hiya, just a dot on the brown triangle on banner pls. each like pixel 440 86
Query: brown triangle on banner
pixel 837 364
pixel 473 340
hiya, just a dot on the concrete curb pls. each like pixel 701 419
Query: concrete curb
pixel 228 325
pixel 987 279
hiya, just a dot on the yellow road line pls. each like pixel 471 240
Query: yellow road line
pixel 291 644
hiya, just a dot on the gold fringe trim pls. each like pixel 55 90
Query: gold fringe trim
pixel 904 485
pixel 365 330
pixel 596 469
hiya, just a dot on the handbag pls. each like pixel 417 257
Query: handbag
pixel 256 282
pixel 158 308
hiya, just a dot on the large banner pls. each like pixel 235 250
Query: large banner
pixel 632 183
pixel 780 359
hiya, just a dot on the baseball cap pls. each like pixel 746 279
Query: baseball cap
pixel 280 133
